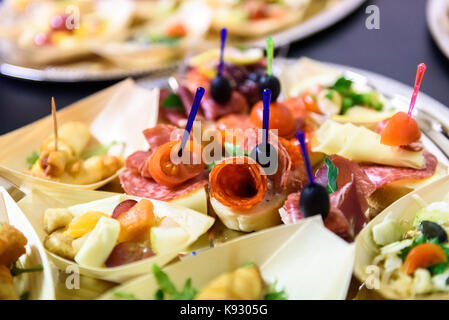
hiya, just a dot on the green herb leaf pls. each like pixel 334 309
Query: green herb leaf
pixel 438 269
pixel 96 151
pixel 332 173
pixel 272 294
pixel 187 293
pixel 404 252
pixel 125 295
pixel 350 98
pixel 15 271
pixel 25 296
pixel 248 265
pixel 32 159
pixel 159 295
pixel 163 280
pixel 342 86
pixel 173 101
pixel 167 287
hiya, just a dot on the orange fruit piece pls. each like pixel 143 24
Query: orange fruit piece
pixel 424 256
pixel 136 223
pixel 400 130
pixel 84 223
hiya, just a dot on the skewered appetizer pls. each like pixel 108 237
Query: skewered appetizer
pixel 120 230
pixel 12 246
pixel 253 18
pixel 67 159
pixel 365 171
pixel 153 175
pixel 236 91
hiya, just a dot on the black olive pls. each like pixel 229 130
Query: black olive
pixel 266 158
pixel 314 200
pixel 220 89
pixel 433 230
pixel 272 83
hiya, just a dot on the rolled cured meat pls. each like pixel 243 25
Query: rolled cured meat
pixel 238 182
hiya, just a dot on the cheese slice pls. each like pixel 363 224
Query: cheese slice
pixel 99 244
pixel 363 145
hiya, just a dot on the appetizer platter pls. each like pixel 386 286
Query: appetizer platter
pixel 237 160
pixel 93 40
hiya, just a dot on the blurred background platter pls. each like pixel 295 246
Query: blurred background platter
pixel 319 15
pixel 437 14
pixel 81 72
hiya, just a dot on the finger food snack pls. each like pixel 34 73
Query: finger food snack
pixel 406 246
pixel 114 237
pixel 89 154
pixel 285 257
pixel 24 269
pixel 68 160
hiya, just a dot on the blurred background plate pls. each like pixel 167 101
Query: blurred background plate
pixel 81 72
pixel 319 20
pixel 320 15
pixel 438 23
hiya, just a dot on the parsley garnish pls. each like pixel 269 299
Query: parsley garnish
pixel 166 287
pixel 350 98
pixel 173 101
pixel 125 295
pixel 99 150
pixel 32 159
pixel 332 173
pixel 272 294
pixel 15 271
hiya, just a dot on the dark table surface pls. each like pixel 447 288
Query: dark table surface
pixel 401 43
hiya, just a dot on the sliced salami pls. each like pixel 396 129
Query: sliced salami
pixel 160 134
pixel 382 175
pixel 135 160
pixel 135 184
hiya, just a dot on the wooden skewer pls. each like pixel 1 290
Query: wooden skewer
pixel 55 123
pixel 3 211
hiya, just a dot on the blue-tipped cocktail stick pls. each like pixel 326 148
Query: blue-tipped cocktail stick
pixel 266 116
pixel 196 103
pixel 300 135
pixel 224 32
